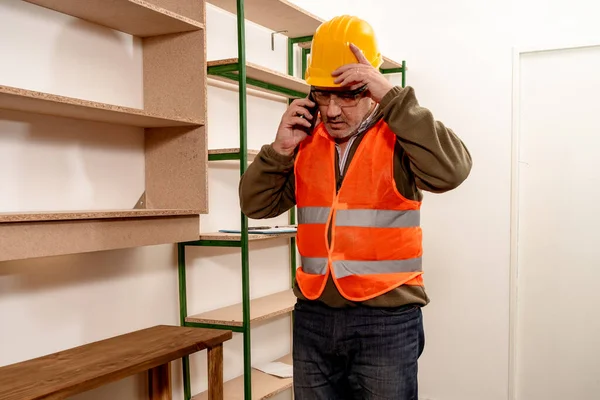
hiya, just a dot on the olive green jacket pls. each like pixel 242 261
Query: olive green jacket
pixel 428 157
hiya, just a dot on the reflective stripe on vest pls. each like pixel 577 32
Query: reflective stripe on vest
pixel 343 268
pixel 314 265
pixel 378 218
pixel 361 217
pixel 313 215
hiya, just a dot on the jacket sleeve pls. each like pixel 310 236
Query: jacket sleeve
pixel 267 188
pixel 438 159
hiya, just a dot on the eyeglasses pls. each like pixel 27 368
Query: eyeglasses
pixel 347 98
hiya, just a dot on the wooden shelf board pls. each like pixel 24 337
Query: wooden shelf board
pixel 277 15
pixel 389 63
pixel 251 237
pixel 135 17
pixel 69 372
pixel 80 215
pixel 265 75
pixel 44 103
pixel 281 15
pixel 232 150
pixel 261 309
pixel 264 386
pixel 35 239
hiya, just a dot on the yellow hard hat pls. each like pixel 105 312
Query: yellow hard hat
pixel 330 48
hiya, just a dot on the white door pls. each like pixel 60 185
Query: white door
pixel 558 303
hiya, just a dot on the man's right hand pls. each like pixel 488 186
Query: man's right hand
pixel 288 134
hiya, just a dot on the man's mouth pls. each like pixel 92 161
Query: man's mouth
pixel 337 124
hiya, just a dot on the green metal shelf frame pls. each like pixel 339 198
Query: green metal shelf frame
pixel 224 157
pixel 229 71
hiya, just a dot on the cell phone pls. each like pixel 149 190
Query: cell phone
pixel 314 111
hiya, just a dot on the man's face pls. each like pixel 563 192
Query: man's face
pixel 342 109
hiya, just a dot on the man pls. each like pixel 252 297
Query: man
pixel 356 180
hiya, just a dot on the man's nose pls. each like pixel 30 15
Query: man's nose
pixel 333 110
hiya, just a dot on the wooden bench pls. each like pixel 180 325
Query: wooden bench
pixel 69 372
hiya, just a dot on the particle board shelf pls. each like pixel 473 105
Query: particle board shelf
pixel 233 150
pixel 261 309
pixel 135 17
pixel 285 17
pixel 277 15
pixel 173 115
pixel 272 80
pixel 251 237
pixel 21 240
pixel 83 368
pixel 49 104
pixel 264 386
pixel 79 215
pixel 388 63
pixel 229 154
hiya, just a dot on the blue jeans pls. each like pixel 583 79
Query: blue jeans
pixel 356 353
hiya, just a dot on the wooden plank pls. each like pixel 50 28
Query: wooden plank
pixel 251 153
pixel 233 150
pixel 193 9
pixel 252 237
pixel 215 373
pixel 264 386
pixel 176 168
pixel 159 379
pixel 136 17
pixel 43 239
pixel 73 371
pixel 261 309
pixel 389 63
pixel 277 15
pixel 281 15
pixel 80 215
pixel 263 74
pixel 175 75
pixel 49 104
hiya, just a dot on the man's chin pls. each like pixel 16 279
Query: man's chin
pixel 338 130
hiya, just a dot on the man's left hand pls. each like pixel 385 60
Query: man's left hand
pixel 363 72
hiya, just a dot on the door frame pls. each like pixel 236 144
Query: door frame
pixel 518 52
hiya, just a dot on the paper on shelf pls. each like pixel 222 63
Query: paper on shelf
pixel 266 231
pixel 276 368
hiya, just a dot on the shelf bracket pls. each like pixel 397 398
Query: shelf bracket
pixel 273 39
pixel 141 203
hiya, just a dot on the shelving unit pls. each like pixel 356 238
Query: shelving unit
pixel 229 154
pixel 259 78
pixel 176 160
pixel 266 386
pixel 136 17
pixel 218 237
pixel 172 119
pixel 281 17
pixel 261 309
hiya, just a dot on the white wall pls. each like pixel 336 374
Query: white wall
pixel 459 60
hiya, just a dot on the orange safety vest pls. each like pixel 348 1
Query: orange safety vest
pixel 376 240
